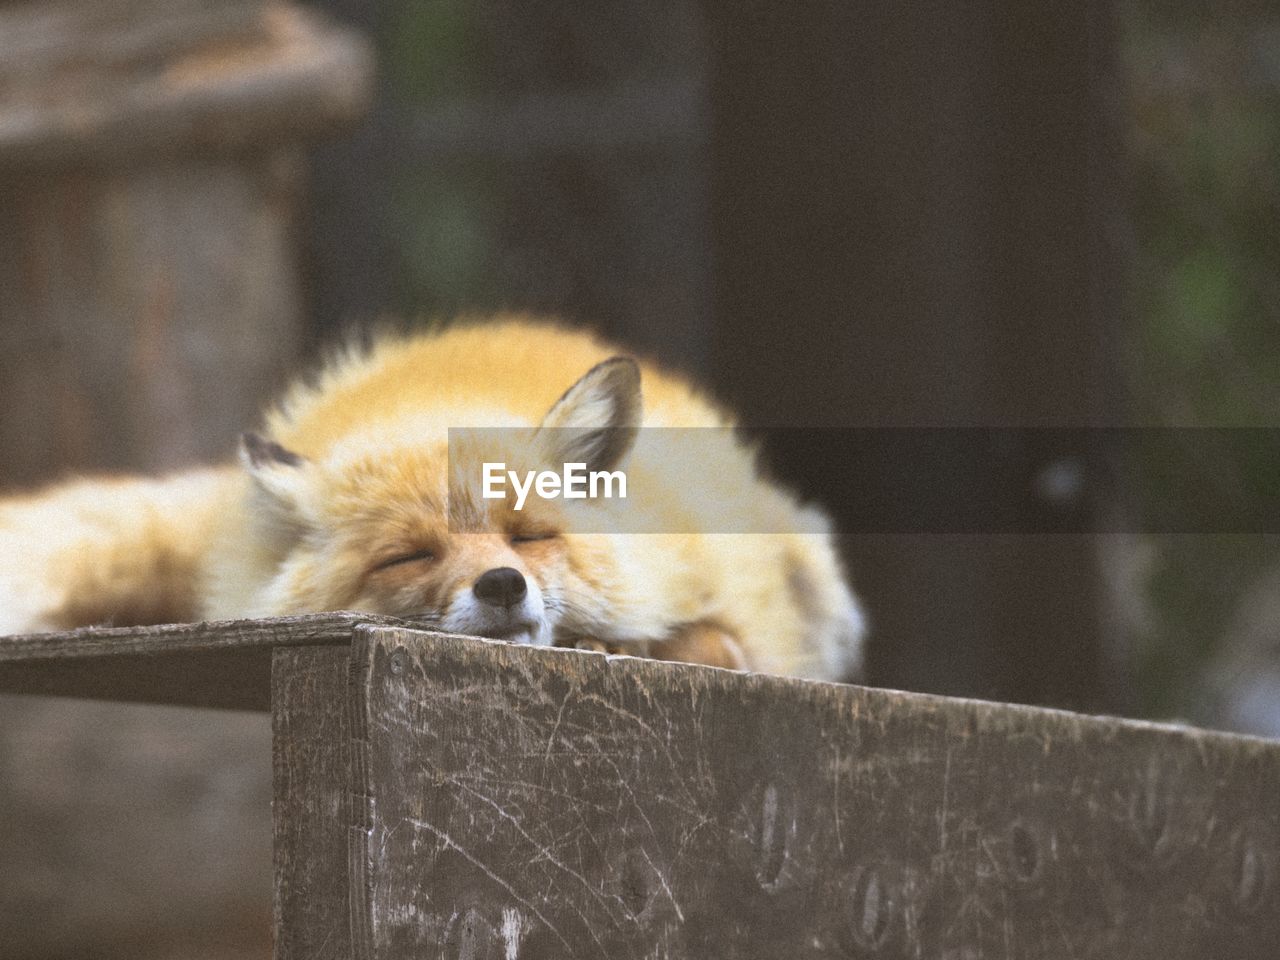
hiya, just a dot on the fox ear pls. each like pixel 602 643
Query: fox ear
pixel 276 471
pixel 597 419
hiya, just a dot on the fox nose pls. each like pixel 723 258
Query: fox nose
pixel 502 586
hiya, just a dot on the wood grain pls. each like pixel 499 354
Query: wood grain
pixel 519 802
pixel 310 772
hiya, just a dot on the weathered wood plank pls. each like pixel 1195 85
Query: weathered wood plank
pixel 310 756
pixel 524 802
pixel 219 664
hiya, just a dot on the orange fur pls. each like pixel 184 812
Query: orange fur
pixel 357 519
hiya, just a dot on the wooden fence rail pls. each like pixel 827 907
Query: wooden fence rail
pixel 446 796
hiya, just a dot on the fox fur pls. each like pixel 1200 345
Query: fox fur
pixel 341 504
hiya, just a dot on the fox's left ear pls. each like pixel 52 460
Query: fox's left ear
pixel 276 471
pixel 597 419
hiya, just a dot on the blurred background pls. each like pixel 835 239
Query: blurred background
pixel 836 215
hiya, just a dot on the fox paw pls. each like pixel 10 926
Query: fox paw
pixel 705 643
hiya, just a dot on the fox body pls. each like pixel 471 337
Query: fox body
pixel 353 499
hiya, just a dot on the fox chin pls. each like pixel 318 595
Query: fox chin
pixel 350 496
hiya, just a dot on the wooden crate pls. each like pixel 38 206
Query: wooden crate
pixel 446 796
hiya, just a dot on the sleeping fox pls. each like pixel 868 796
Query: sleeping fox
pixel 353 498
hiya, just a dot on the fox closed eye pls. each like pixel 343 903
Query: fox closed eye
pixel 532 537
pixel 406 558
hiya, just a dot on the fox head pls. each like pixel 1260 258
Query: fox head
pixel 377 525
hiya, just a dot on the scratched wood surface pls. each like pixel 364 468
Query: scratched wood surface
pixel 513 802
pixel 311 809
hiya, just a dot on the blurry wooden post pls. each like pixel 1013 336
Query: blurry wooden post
pixel 149 302
pixel 149 168
pixel 915 211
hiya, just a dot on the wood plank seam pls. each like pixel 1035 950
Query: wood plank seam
pixel 360 876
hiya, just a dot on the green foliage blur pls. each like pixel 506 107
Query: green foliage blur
pixel 433 52
pixel 1204 124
